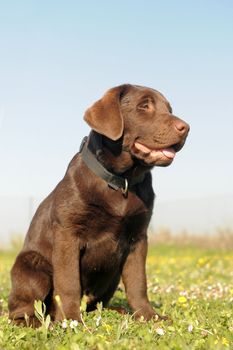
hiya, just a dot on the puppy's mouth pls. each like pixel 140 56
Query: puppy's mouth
pixel 160 157
pixel 167 152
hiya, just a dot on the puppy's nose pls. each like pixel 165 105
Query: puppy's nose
pixel 181 127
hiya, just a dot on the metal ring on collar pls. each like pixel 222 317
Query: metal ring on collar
pixel 125 189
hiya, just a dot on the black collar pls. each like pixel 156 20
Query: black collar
pixel 114 181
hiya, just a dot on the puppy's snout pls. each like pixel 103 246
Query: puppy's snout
pixel 181 127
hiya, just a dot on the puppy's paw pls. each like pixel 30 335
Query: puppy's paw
pixel 146 314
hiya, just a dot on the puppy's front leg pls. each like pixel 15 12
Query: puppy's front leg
pixel 66 274
pixel 134 279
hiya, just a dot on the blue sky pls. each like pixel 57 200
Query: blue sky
pixel 58 57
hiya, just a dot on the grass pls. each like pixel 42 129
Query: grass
pixel 191 285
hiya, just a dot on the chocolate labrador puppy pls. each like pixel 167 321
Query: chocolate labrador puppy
pixel 92 229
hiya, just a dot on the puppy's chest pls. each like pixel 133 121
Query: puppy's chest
pixel 107 241
pixel 109 230
pixel 121 218
pixel 101 254
pixel 107 249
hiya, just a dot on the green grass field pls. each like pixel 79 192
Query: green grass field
pixel 193 287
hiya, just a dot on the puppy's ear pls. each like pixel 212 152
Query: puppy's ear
pixel 104 116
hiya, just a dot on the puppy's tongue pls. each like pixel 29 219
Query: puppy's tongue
pixel 168 152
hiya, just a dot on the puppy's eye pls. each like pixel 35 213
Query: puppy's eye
pixel 146 105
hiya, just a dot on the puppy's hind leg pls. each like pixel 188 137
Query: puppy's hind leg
pixel 31 278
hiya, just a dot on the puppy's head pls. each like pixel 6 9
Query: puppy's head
pixel 143 118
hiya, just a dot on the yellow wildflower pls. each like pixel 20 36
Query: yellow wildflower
pixel 225 342
pixel 182 299
pixel 202 261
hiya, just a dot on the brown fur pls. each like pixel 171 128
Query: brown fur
pixel 85 236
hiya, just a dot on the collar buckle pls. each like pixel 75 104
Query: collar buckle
pixel 125 189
